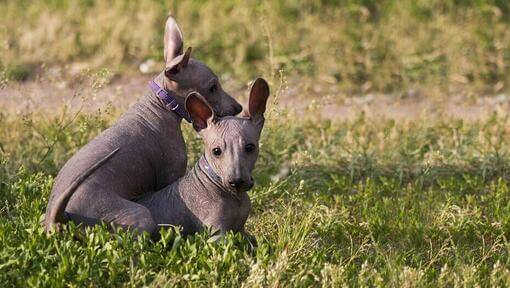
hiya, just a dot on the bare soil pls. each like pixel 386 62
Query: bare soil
pixel 49 95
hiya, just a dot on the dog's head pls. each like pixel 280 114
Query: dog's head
pixel 231 143
pixel 186 75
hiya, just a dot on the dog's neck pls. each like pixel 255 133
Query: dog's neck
pixel 204 183
pixel 198 182
pixel 151 111
pixel 195 192
pixel 169 86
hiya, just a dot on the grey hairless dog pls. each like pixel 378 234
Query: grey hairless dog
pixel 142 152
pixel 213 193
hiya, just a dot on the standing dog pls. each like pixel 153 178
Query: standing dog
pixel 142 152
pixel 213 193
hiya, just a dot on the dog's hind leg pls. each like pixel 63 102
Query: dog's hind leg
pixel 111 209
pixel 56 215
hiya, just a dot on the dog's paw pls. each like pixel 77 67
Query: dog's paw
pixel 53 228
pixel 216 238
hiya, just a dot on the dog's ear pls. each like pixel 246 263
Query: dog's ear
pixel 173 40
pixel 199 110
pixel 177 64
pixel 258 99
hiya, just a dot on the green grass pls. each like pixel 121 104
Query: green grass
pixel 364 46
pixel 366 203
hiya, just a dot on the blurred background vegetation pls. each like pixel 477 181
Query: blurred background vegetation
pixel 358 45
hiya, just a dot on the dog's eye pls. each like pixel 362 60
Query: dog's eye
pixel 216 151
pixel 213 88
pixel 249 148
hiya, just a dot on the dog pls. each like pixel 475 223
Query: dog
pixel 214 192
pixel 142 152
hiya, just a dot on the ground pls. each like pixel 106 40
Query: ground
pixel 319 100
pixel 414 197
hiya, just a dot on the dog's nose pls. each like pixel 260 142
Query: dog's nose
pixel 236 183
pixel 237 108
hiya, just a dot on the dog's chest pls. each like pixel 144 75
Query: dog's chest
pixel 231 215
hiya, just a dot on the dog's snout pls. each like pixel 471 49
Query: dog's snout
pixel 236 183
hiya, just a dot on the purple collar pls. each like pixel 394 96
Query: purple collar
pixel 169 99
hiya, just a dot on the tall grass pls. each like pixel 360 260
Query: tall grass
pixel 357 45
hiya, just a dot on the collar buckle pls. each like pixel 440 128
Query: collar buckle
pixel 173 105
pixel 161 92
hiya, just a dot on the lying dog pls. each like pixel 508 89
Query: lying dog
pixel 213 193
pixel 142 152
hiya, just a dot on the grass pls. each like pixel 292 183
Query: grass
pixel 367 202
pixel 361 202
pixel 358 46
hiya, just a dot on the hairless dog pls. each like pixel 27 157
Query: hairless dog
pixel 213 193
pixel 142 152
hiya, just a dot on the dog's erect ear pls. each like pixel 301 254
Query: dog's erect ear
pixel 258 100
pixel 173 40
pixel 199 110
pixel 177 64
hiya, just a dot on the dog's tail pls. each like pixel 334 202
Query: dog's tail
pixel 57 213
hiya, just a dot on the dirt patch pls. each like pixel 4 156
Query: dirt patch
pixel 48 96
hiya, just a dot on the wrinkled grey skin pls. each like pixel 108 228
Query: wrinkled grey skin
pixel 152 151
pixel 195 201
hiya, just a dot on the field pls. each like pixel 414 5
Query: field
pixel 436 46
pixel 417 196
